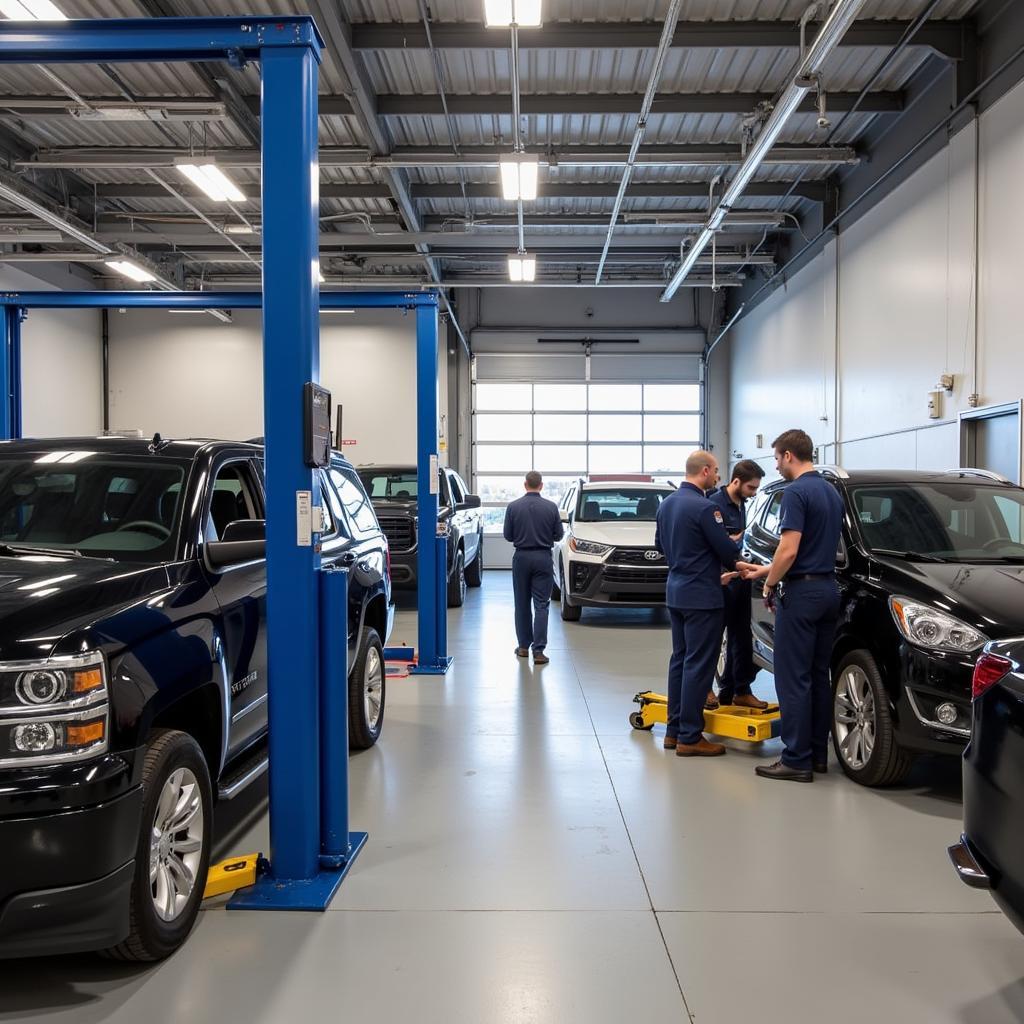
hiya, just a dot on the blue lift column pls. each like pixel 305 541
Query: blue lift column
pixel 432 559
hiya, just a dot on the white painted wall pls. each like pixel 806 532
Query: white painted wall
pixel 186 375
pixel 61 360
pixel 863 333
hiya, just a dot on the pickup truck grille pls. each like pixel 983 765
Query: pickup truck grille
pixel 400 532
pixel 636 556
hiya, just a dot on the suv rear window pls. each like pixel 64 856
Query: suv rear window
pixel 390 485
pixel 958 522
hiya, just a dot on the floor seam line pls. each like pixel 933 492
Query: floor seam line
pixel 629 837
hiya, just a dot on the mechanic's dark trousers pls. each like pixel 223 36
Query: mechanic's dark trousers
pixel 805 626
pixel 533 577
pixel 740 670
pixel 696 642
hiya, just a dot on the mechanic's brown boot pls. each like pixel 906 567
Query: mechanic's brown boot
pixel 711 702
pixel 702 748
pixel 669 743
pixel 748 700
pixel 522 652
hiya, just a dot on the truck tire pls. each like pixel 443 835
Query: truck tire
pixel 173 855
pixel 862 726
pixel 366 692
pixel 475 570
pixel 457 582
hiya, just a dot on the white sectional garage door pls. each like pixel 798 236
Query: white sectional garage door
pixel 635 414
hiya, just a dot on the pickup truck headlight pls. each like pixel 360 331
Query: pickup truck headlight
pixel 53 711
pixel 588 547
pixel 937 631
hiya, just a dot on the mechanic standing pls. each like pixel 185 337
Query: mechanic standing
pixel 801 584
pixel 691 536
pixel 533 525
pixel 740 671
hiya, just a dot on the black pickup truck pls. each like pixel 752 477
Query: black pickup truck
pixel 393 491
pixel 133 675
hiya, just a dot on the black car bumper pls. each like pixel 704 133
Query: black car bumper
pixel 598 585
pixel 66 875
pixel 927 681
pixel 403 570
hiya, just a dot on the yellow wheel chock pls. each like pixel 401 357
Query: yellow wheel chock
pixel 235 873
pixel 729 720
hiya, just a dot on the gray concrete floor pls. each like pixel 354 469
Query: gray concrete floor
pixel 533 859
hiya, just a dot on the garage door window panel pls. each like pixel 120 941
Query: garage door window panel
pixel 612 427
pixel 499 396
pixel 560 397
pixel 563 427
pixel 560 458
pixel 495 458
pixel 672 397
pixel 668 459
pixel 504 427
pixel 672 429
pixel 616 397
pixel 616 458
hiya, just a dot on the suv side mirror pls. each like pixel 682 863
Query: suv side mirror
pixel 245 540
pixel 470 501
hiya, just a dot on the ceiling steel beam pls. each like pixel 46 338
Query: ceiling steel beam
pixel 546 281
pixel 709 155
pixel 621 103
pixel 646 218
pixel 944 37
pixel 813 190
pixel 178 108
pixel 140 190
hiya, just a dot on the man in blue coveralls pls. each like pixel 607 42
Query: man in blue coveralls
pixel 533 525
pixel 801 585
pixel 691 535
pixel 739 671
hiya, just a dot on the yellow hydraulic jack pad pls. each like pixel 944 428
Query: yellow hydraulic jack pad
pixel 229 875
pixel 729 720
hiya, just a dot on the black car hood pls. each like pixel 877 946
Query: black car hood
pixel 989 597
pixel 43 598
pixel 394 504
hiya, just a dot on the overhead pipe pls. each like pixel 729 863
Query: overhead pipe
pixel 668 32
pixel 839 20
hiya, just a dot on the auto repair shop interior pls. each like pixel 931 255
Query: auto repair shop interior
pixel 293 294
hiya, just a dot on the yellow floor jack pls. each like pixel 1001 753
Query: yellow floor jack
pixel 729 720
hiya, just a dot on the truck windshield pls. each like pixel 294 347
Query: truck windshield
pixel 110 506
pixel 955 522
pixel 389 484
pixel 620 504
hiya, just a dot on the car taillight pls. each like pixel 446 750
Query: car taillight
pixel 990 668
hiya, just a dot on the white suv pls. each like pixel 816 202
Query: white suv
pixel 607 556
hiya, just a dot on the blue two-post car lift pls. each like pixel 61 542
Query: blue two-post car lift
pixel 311 847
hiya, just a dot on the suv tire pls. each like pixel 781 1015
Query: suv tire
pixel 367 684
pixel 570 612
pixel 173 762
pixel 862 726
pixel 457 582
pixel 475 570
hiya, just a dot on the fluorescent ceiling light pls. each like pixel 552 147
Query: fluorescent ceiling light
pixel 213 181
pixel 502 13
pixel 30 235
pixel 337 310
pixel 129 269
pixel 522 268
pixel 31 10
pixel 519 173
pixel 242 229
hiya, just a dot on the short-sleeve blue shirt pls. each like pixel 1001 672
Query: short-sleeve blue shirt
pixel 813 507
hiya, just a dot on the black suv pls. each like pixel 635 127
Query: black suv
pixel 133 675
pixel 930 567
pixel 393 491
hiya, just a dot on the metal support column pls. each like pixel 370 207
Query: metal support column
pixel 8 318
pixel 432 564
pixel 14 336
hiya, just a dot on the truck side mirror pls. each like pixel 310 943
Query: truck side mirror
pixel 470 501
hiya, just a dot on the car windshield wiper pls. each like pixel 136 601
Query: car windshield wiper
pixel 910 556
pixel 15 550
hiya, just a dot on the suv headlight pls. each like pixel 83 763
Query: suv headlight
pixel 588 547
pixel 54 710
pixel 938 631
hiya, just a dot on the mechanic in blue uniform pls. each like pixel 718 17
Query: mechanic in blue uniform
pixel 691 535
pixel 739 670
pixel 801 584
pixel 533 525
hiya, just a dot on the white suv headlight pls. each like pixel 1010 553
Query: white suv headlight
pixel 54 710
pixel 938 631
pixel 588 547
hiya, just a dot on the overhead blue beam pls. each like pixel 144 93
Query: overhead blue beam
pixel 208 300
pixel 152 39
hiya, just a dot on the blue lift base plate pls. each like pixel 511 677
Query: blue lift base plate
pixel 298 893
pixel 438 669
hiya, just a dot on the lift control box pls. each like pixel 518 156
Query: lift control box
pixel 316 407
